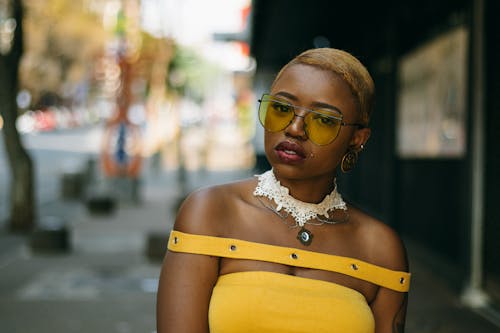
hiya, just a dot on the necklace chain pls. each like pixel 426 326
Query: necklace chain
pixel 301 212
pixel 284 216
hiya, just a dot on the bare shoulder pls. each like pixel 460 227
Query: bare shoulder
pixel 383 245
pixel 205 211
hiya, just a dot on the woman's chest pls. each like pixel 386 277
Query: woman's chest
pixel 248 222
pixel 368 290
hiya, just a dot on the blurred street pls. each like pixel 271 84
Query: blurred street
pixel 52 153
pixel 107 283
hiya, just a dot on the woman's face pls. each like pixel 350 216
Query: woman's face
pixel 290 152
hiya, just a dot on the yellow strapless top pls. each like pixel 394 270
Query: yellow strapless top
pixel 258 301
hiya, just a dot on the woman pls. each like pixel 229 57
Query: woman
pixel 283 252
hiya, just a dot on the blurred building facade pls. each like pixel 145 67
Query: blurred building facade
pixel 430 168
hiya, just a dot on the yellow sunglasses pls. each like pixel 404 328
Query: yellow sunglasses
pixel 322 126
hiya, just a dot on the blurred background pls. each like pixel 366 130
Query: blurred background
pixel 112 111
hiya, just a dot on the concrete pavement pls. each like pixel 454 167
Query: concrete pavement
pixel 106 283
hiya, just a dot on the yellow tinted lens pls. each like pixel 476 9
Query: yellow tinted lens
pixel 321 129
pixel 275 116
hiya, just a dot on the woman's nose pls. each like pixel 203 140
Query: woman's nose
pixel 296 128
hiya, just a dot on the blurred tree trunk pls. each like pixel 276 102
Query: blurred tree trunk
pixel 22 203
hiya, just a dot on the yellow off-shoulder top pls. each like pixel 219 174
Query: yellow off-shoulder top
pixel 258 301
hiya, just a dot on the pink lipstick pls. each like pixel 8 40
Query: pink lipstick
pixel 290 152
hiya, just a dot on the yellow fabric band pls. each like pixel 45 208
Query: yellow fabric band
pixel 239 249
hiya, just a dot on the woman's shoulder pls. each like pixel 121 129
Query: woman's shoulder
pixel 383 245
pixel 205 210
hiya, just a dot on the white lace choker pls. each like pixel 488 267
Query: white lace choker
pixel 302 212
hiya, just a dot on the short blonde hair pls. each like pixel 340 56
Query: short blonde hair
pixel 349 68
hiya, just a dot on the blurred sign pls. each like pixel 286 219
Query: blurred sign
pixel 431 107
pixel 121 154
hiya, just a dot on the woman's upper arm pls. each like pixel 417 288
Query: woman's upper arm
pixel 389 310
pixel 184 292
pixel 187 280
pixel 389 306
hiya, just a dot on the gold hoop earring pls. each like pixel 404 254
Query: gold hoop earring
pixel 349 160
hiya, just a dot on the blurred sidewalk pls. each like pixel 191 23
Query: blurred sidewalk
pixel 106 283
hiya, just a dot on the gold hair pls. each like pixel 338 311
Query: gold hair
pixel 345 65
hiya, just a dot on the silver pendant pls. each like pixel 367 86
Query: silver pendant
pixel 305 236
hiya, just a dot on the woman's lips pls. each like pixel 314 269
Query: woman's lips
pixel 290 152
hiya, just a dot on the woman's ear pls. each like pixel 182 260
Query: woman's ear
pixel 360 137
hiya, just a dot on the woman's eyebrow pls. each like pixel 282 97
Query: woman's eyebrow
pixel 315 104
pixel 287 95
pixel 326 106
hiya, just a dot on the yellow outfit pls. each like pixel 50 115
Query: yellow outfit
pixel 258 301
